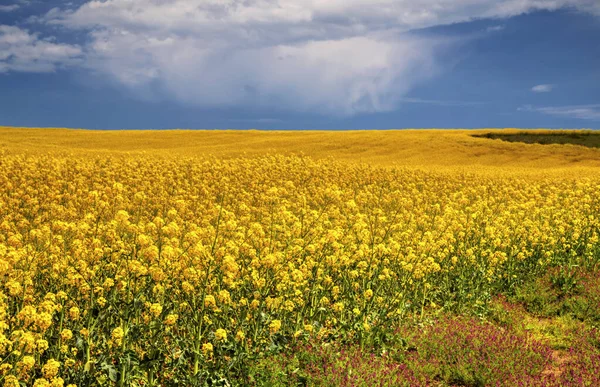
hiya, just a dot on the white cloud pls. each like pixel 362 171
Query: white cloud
pixel 508 8
pixel 25 52
pixel 495 28
pixel 542 88
pixel 341 15
pixel 343 76
pixel 9 8
pixel 440 102
pixel 584 112
pixel 335 56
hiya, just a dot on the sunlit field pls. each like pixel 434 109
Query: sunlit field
pixel 395 258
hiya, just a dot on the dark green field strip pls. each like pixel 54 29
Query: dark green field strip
pixel 584 138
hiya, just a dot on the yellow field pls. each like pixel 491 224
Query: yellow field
pixel 180 257
pixel 410 148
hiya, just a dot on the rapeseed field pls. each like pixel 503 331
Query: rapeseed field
pixel 293 258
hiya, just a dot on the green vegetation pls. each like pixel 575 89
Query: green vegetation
pixel 585 138
pixel 544 333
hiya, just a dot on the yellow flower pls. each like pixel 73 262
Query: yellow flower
pixel 43 321
pixel 11 381
pixel 207 349
pixel 275 326
pixel 66 334
pixel 158 289
pixel 171 319
pixel 209 301
pixel 239 336
pixel 221 334
pixel 42 345
pixel 108 284
pixel 224 297
pixel 4 368
pixel 26 363
pixel 50 369
pixel 57 382
pixel 26 342
pixel 5 344
pixel 156 309
pixel 366 326
pixel 117 335
pixel 14 288
pixel 122 217
pixel 74 313
pixel 61 295
pixel 338 307
pixel 187 287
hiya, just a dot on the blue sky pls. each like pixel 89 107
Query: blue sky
pixel 300 64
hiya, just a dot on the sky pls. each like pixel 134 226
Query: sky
pixel 300 64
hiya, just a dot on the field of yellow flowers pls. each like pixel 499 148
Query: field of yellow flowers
pixel 141 259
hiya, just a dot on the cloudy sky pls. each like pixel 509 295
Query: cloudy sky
pixel 300 64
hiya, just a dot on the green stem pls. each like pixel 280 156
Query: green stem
pixel 122 378
pixel 60 326
pixel 150 378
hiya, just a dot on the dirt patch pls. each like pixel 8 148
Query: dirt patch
pixel 559 360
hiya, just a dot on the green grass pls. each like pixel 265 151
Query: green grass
pixel 545 333
pixel 585 138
